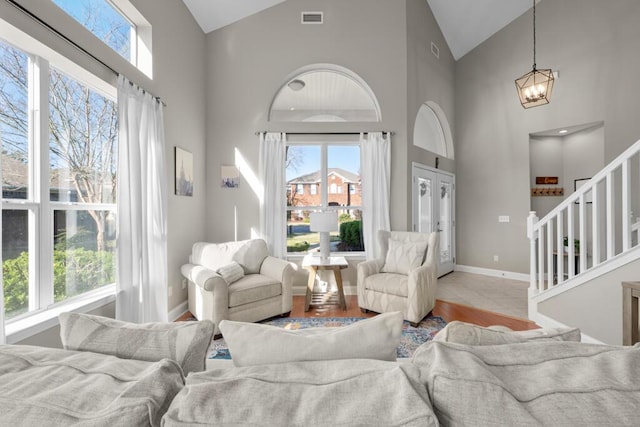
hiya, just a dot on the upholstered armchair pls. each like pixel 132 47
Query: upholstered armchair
pixel 237 281
pixel 404 279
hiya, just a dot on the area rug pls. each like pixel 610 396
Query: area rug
pixel 410 340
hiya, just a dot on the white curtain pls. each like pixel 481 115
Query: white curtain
pixel 2 336
pixel 375 166
pixel 273 214
pixel 141 275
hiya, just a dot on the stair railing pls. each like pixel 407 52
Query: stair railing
pixel 591 226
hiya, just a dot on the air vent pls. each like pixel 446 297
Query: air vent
pixel 312 18
pixel 435 50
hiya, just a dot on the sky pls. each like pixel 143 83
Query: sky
pixel 102 20
pixel 345 157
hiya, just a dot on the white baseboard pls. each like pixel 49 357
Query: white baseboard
pixel 491 272
pixel 548 322
pixel 178 311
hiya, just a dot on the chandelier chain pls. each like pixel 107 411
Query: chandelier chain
pixel 534 34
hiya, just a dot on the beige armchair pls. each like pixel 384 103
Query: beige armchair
pixel 405 279
pixel 237 281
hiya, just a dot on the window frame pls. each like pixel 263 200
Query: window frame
pixel 42 308
pixel 141 40
pixel 323 187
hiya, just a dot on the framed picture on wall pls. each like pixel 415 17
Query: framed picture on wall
pixel 184 172
pixel 577 183
pixel 229 177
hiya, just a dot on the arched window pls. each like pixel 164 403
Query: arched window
pixel 431 130
pixel 324 93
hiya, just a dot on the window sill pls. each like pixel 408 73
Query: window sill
pixel 348 255
pixel 41 321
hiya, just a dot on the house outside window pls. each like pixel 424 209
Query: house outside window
pixel 317 165
pixel 313 189
pixel 58 183
pixel 300 189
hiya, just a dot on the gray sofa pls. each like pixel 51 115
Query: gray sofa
pixel 496 377
pixel 466 376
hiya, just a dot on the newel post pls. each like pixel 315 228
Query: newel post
pixel 532 220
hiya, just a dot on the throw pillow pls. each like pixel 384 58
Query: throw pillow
pixel 469 334
pixel 185 342
pixel 231 272
pixel 254 344
pixel 402 257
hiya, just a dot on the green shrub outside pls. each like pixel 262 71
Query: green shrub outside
pixel 351 235
pixel 298 247
pixel 75 271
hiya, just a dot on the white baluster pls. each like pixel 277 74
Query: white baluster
pixel 582 226
pixel 550 254
pixel 626 198
pixel 595 223
pixel 560 247
pixel 571 251
pixel 532 220
pixel 611 238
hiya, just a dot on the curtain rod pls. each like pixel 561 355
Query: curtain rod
pixel 71 42
pixel 328 133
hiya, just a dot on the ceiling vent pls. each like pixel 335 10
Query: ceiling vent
pixel 312 18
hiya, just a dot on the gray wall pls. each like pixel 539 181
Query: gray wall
pixel 386 43
pixel 596 306
pixel 575 156
pixel 250 60
pixel 593 44
pixel 428 79
pixel 178 78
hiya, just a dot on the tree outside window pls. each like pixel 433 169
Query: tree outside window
pixel 77 249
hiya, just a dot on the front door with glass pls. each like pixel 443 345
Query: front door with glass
pixel 433 210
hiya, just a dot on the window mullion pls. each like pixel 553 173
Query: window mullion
pixel 324 197
pixel 43 251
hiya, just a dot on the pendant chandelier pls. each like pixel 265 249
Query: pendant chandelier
pixel 535 87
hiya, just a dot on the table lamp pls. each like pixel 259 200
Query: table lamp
pixel 324 222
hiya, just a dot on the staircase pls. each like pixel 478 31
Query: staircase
pixel 582 245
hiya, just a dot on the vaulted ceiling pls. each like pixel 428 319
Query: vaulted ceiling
pixel 464 23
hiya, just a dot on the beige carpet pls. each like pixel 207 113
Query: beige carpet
pixel 495 294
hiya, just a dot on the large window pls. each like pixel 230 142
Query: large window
pixel 329 167
pixel 106 22
pixel 118 24
pixel 58 141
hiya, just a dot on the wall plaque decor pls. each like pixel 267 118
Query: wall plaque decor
pixel 546 180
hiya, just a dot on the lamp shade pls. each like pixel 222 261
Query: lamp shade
pixel 535 87
pixel 323 221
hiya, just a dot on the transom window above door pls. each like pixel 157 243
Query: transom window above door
pixel 325 93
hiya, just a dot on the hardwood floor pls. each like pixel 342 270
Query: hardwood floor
pixel 447 310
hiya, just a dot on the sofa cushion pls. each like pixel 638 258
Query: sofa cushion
pixel 231 272
pixel 54 387
pixel 388 283
pixel 538 383
pixel 402 257
pixel 469 334
pixel 248 253
pixel 317 393
pixel 255 344
pixel 185 342
pixel 252 288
